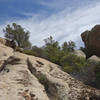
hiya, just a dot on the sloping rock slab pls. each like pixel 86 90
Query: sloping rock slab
pixel 26 77
pixel 58 84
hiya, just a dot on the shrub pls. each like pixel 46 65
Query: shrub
pixel 71 63
pixel 29 52
pixel 68 69
pixel 97 76
pixel 43 80
pixel 18 34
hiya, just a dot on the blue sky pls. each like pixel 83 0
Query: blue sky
pixel 65 20
pixel 16 9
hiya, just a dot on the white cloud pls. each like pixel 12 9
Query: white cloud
pixel 63 26
pixel 61 4
pixel 1 30
pixel 54 4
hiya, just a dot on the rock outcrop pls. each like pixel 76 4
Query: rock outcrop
pixel 2 40
pixel 16 81
pixel 91 40
pixel 11 44
pixel 26 77
pixel 79 53
pixel 8 43
pixel 94 58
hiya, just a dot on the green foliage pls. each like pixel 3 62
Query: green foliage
pixel 42 79
pixel 71 63
pixel 65 49
pixel 29 52
pixel 71 46
pixel 97 75
pixel 67 69
pixel 52 50
pixel 68 47
pixel 62 55
pixel 18 34
pixel 39 52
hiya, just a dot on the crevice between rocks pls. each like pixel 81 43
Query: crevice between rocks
pixel 50 88
pixel 3 65
pixel 10 60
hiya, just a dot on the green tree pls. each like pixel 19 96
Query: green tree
pixel 18 34
pixel 71 46
pixel 65 46
pixel 52 50
pixel 71 63
pixel 39 51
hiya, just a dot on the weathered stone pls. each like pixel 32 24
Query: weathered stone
pixel 31 78
pixel 19 49
pixel 94 58
pixel 91 40
pixel 5 52
pixel 8 43
pixel 79 53
pixel 16 81
pixel 2 41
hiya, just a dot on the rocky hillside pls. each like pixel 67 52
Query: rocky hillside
pixel 24 77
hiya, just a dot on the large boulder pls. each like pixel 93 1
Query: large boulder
pixel 8 43
pixel 94 58
pixel 16 81
pixel 91 40
pixel 11 44
pixel 79 53
pixel 26 77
